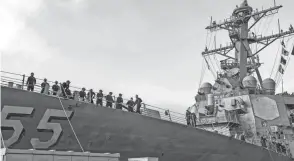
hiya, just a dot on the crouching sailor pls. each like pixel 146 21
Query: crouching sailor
pixel 55 88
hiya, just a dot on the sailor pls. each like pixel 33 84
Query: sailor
pixel 292 117
pixel 279 146
pixel 99 98
pixel 43 86
pixel 193 119
pixel 131 105
pixel 55 88
pixel 188 117
pixel 65 89
pixel 31 81
pixel 263 141
pixel 274 144
pixel 119 102
pixel 291 28
pixel 283 148
pixel 91 94
pixel 82 94
pixel 109 100
pixel 242 137
pixel 138 102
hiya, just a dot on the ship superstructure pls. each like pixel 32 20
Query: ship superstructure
pixel 238 103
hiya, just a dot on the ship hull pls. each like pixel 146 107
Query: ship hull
pixel 104 130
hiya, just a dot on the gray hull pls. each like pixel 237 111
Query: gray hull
pixel 103 130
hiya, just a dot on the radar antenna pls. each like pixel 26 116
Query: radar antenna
pixel 238 27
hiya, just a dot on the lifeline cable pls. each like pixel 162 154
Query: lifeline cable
pixel 213 69
pixel 69 120
pixel 202 73
pixel 214 55
pixel 269 23
pixel 270 155
pixel 2 140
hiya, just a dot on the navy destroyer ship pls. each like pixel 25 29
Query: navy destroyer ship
pixel 237 118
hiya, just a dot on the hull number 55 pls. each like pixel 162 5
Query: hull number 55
pixel 44 125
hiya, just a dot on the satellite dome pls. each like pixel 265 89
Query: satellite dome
pixel 268 80
pixel 249 82
pixel 269 86
pixel 206 87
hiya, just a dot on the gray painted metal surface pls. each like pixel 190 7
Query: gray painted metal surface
pixel 104 130
pixel 43 155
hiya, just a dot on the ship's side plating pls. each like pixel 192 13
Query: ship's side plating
pixel 36 121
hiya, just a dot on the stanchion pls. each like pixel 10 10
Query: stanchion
pixel 23 80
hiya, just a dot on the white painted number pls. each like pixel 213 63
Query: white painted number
pixel 45 126
pixel 15 125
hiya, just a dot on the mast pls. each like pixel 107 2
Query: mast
pixel 241 37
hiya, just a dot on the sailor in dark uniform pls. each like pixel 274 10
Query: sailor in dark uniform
pixel 109 100
pixel 138 103
pixel 82 94
pixel 65 89
pixel 193 119
pixel 279 146
pixel 91 95
pixel 55 88
pixel 43 85
pixel 119 102
pixel 292 117
pixel 263 141
pixel 130 105
pixel 188 117
pixel 242 137
pixel 31 81
pixel 99 98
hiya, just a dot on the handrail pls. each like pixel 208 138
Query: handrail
pixel 172 116
pixel 81 88
pixel 10 73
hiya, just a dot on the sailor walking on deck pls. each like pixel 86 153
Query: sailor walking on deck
pixel 119 102
pixel 138 103
pixel 55 88
pixel 99 98
pixel 109 100
pixel 31 81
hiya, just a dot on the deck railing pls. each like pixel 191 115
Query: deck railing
pixel 15 80
pixel 19 81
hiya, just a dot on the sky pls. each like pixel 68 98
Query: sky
pixel 146 47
